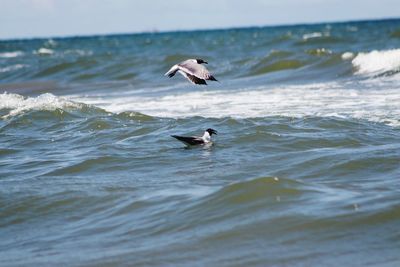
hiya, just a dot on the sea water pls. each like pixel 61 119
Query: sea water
pixel 304 171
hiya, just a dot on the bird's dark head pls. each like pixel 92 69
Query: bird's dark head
pixel 211 131
pixel 200 61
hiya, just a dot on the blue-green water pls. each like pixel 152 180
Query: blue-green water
pixel 305 170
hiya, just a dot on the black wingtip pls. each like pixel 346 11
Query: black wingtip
pixel 212 78
pixel 200 82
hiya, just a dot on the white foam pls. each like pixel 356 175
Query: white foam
pixel 44 51
pixel 324 99
pixel 19 104
pixel 51 43
pixel 312 35
pixel 347 55
pixel 11 54
pixel 12 68
pixel 79 52
pixel 376 62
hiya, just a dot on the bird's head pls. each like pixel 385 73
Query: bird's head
pixel 211 131
pixel 200 61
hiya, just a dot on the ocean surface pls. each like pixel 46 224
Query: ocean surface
pixel 305 170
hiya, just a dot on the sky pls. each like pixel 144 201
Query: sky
pixel 55 18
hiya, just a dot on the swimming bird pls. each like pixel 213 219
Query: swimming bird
pixel 197 140
pixel 192 70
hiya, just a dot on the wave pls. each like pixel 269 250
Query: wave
pixel 11 54
pixel 347 55
pixel 16 104
pixel 276 66
pixel 377 62
pixel 44 51
pixel 319 39
pixel 312 35
pixel 252 190
pixel 315 62
pixel 319 52
pixel 78 52
pixel 249 196
pixel 12 68
pixel 395 34
pixel 318 99
pixel 341 100
pixel 12 105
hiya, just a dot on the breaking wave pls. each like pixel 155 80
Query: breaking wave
pixel 319 99
pixel 11 54
pixel 384 62
pixel 16 104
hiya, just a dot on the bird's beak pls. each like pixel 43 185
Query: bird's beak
pixel 205 62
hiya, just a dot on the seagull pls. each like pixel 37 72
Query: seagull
pixel 197 140
pixel 192 70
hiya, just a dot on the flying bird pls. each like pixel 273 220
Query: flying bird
pixel 197 140
pixel 193 70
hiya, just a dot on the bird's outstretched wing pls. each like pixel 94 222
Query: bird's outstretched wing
pixel 172 71
pixel 189 140
pixel 195 69
pixel 192 78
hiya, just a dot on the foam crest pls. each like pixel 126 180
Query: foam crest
pixel 312 35
pixel 11 54
pixel 377 62
pixel 44 51
pixel 18 104
pixel 12 68
pixel 322 100
pixel 347 55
